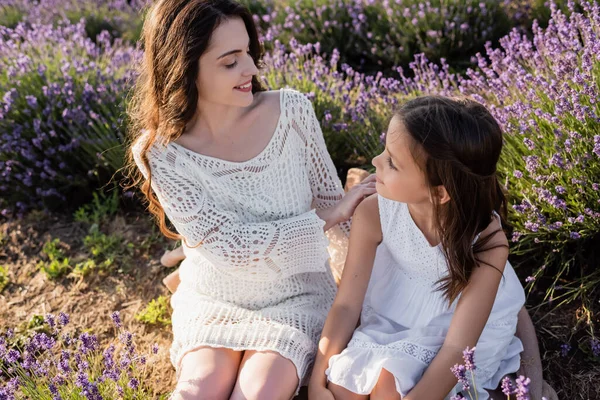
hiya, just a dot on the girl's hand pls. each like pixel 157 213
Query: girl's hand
pixel 344 209
pixel 319 392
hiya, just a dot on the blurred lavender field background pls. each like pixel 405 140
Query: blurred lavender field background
pixel 66 71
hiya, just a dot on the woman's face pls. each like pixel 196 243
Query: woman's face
pixel 226 67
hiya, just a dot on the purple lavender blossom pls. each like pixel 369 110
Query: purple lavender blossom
pixel 522 389
pixel 116 319
pixel 595 346
pixel 564 349
pixel 459 372
pixel 507 386
pixel 63 319
pixel 88 343
pixel 468 357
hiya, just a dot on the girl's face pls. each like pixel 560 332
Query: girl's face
pixel 399 177
pixel 226 67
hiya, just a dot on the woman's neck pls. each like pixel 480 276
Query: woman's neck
pixel 215 120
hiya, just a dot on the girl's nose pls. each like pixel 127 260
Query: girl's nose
pixel 375 160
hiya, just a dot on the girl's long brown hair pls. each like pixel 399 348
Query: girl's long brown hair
pixel 460 142
pixel 175 34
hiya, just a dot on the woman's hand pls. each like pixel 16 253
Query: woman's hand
pixel 344 209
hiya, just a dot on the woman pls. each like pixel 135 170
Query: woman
pixel 239 171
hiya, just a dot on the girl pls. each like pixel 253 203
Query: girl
pixel 427 263
pixel 239 171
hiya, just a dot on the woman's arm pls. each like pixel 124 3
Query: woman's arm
pixel 329 200
pixel 345 312
pixel 469 319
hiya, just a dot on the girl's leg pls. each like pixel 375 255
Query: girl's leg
pixel 207 373
pixel 341 393
pixel 265 375
pixel 531 362
pixel 385 389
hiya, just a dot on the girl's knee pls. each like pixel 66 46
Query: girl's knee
pixel 385 387
pixel 341 393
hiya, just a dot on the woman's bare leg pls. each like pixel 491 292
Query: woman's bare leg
pixel 265 375
pixel 207 373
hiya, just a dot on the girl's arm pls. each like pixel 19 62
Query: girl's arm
pixel 471 315
pixel 345 312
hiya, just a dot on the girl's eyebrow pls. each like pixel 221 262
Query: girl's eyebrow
pixel 391 155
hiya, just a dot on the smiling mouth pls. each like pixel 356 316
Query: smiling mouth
pixel 245 86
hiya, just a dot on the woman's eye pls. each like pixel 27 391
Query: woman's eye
pixel 232 65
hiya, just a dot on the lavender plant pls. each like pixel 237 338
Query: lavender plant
pixel 465 374
pixel 58 364
pixel 61 113
pixel 353 107
pixel 122 18
pixel 376 36
pixel 544 91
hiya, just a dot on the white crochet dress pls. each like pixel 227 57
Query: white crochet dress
pixel 404 320
pixel 260 278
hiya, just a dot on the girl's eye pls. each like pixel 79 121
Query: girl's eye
pixel 232 65
pixel 390 163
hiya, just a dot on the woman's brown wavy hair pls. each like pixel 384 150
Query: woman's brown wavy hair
pixel 457 143
pixel 164 101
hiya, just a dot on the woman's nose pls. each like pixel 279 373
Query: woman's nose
pixel 250 68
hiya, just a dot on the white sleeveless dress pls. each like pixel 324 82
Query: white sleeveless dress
pixel 404 320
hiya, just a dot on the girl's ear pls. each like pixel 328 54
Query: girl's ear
pixel 442 194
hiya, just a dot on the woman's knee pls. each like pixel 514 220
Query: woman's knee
pixel 385 387
pixel 265 375
pixel 207 374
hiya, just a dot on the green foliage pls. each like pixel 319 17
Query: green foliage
pixel 157 312
pixel 109 252
pixel 10 16
pixel 57 264
pixel 101 208
pixel 4 280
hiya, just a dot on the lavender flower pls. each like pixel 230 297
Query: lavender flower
pixel 507 387
pixel 468 357
pixel 564 349
pixel 116 319
pixel 63 319
pixel 595 346
pixel 522 389
pixel 459 372
pixel 88 343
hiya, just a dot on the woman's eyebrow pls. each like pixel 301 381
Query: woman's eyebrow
pixel 231 52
